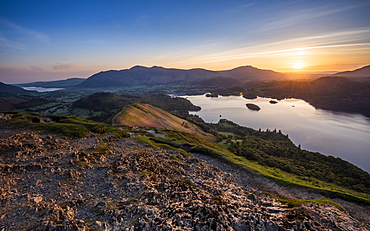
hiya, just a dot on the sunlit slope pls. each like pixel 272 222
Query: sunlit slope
pixel 146 115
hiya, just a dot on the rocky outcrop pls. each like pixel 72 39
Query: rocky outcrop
pixel 103 183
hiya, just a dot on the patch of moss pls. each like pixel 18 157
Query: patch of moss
pixel 144 140
pixel 165 141
pixel 69 130
pixel 69 126
pixel 299 202
pixel 205 150
pixel 102 147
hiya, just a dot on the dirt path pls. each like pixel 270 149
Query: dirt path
pixel 114 118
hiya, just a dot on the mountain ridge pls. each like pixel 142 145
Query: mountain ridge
pixel 7 90
pixel 359 72
pixel 55 83
pixel 156 75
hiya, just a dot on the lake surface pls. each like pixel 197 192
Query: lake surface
pixel 342 135
pixel 42 89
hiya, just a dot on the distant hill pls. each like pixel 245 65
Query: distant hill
pixel 360 72
pixel 57 83
pixel 329 93
pixel 139 75
pixel 146 115
pixel 251 73
pixel 7 90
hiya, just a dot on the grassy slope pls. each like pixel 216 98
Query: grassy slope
pixel 146 115
pixel 73 127
pixel 212 149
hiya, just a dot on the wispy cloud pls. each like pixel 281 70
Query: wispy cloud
pixel 15 28
pixel 242 7
pixel 355 39
pixel 5 43
pixel 36 68
pixel 338 37
pixel 66 66
pixel 220 57
pixel 301 16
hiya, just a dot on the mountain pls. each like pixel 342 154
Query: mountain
pixel 7 90
pixel 139 75
pixel 251 73
pixel 57 83
pixel 360 72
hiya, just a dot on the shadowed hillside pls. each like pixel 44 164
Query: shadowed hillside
pixel 329 93
pixel 7 90
pixel 360 72
pixel 139 75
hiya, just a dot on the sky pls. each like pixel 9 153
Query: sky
pixel 44 40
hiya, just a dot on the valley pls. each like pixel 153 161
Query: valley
pixel 139 143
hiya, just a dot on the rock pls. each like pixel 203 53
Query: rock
pixel 137 187
pixel 273 102
pixel 253 107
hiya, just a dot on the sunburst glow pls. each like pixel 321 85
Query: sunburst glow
pixel 298 65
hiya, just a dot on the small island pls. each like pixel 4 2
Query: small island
pixel 212 95
pixel 273 102
pixel 253 107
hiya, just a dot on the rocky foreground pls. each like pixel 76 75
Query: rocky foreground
pixel 101 183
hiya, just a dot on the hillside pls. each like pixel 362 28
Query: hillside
pixel 106 104
pixel 7 90
pixel 102 181
pixel 360 72
pixel 145 115
pixel 54 84
pixel 329 93
pixel 139 75
pixel 271 149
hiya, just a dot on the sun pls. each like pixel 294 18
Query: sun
pixel 298 65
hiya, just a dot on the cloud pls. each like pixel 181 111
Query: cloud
pixel 66 66
pixel 300 16
pixel 5 43
pixel 242 7
pixel 344 40
pixel 5 23
pixel 35 68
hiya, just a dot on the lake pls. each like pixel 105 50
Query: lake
pixel 42 89
pixel 338 134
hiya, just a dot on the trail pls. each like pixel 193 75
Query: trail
pixel 114 118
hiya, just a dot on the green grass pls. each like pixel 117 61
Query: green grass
pixel 291 179
pixel 208 148
pixel 73 127
pixel 161 145
pixel 65 129
pixel 294 202
pixel 227 133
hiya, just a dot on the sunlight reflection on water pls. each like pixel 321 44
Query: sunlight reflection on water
pixel 339 134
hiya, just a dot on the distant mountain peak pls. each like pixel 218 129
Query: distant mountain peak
pixel 138 67
pixel 359 72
